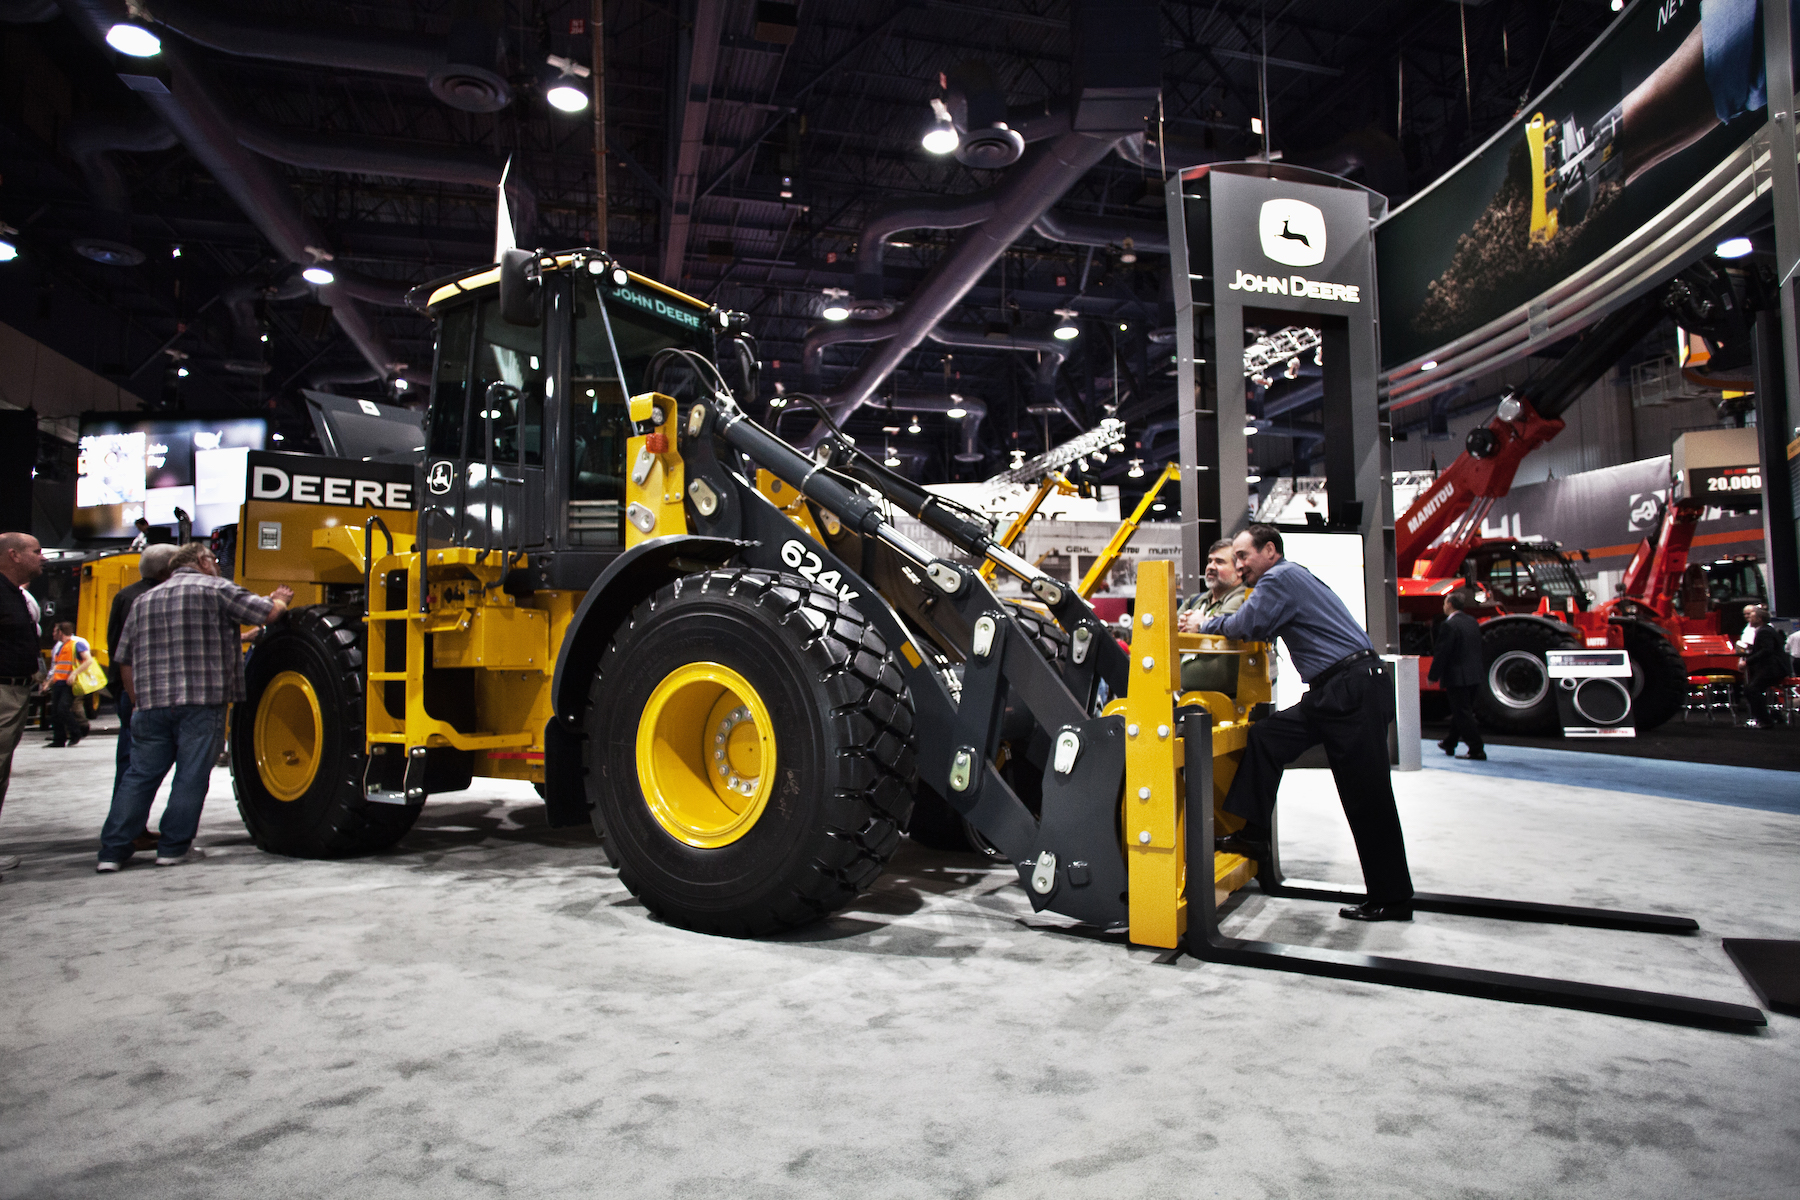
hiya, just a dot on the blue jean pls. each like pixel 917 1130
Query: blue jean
pixel 122 756
pixel 186 737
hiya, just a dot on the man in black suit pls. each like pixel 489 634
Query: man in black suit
pixel 1765 663
pixel 1456 665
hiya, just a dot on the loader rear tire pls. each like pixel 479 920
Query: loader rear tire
pixel 1515 695
pixel 297 742
pixel 790 698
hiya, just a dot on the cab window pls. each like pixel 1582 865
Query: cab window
pixel 450 382
pixel 514 355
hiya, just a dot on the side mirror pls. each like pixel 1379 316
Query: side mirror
pixel 521 288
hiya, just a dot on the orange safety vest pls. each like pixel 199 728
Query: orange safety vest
pixel 62 663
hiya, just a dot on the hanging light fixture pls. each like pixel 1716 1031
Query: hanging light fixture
pixel 940 134
pixel 835 309
pixel 1137 469
pixel 958 412
pixel 1066 329
pixel 914 427
pixel 564 94
pixel 318 275
pixel 129 37
pixel 1128 255
pixel 1735 247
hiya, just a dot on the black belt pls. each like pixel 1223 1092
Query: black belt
pixel 1349 660
pixel 16 680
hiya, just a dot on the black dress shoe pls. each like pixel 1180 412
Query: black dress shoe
pixel 1237 843
pixel 1448 748
pixel 1474 756
pixel 1368 910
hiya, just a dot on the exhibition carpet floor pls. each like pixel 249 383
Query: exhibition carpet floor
pixel 1739 787
pixel 487 1012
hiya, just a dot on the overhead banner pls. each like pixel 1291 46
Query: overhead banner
pixel 1609 511
pixel 1668 92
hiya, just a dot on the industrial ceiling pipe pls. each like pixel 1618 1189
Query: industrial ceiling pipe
pixel 975 411
pixel 1051 356
pixel 92 141
pixel 355 155
pixel 1146 237
pixel 241 297
pixel 943 212
pixel 1047 171
pixel 188 106
pixel 461 69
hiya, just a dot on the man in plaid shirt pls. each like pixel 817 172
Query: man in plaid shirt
pixel 181 661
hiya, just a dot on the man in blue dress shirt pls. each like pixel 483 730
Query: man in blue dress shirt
pixel 1348 704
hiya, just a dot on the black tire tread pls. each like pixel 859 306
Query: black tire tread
pixel 350 824
pixel 872 715
pixel 1665 673
pixel 1523 635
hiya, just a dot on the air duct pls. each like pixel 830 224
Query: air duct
pixel 354 155
pixel 462 70
pixel 1070 229
pixel 91 142
pixel 978 109
pixel 1117 72
pixel 974 413
pixel 189 108
pixel 241 298
pixel 948 212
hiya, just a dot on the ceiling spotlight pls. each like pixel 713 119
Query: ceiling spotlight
pixel 317 276
pixel 787 187
pixel 957 413
pixel 1116 448
pixel 1430 364
pixel 128 37
pixel 914 427
pixel 1253 479
pixel 1081 464
pixel 182 372
pixel 1618 5
pixel 400 385
pixel 1251 431
pixel 564 93
pixel 1099 456
pixel 174 251
pixel 566 97
pixel 277 437
pixel 1319 357
pixel 1018 459
pixel 1159 506
pixel 1293 369
pixel 8 251
pixel 1128 255
pixel 940 136
pixel 1137 469
pixel 835 309
pixel 1735 247
pixel 1066 329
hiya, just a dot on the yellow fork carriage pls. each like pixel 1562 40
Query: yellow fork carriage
pixel 718 649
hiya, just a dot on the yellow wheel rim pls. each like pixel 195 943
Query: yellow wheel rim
pixel 290 736
pixel 706 755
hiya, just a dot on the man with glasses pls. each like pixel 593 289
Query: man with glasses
pixel 21 561
pixel 180 661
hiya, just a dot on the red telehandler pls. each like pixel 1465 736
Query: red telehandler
pixel 1528 595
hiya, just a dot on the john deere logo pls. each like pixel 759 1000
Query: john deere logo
pixel 439 477
pixel 1293 232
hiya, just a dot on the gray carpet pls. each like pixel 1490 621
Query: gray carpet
pixel 487 1012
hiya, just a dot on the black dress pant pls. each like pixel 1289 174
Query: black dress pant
pixel 68 720
pixel 1463 727
pixel 1350 715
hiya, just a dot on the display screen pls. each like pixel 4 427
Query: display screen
pixel 128 468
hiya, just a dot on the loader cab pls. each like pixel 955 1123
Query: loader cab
pixel 537 463
pixel 1518 575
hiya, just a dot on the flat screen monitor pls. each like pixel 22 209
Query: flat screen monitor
pixel 131 467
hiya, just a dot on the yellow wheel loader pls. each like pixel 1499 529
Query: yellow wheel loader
pixel 602 576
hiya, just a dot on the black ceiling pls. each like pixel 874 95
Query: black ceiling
pixel 1376 89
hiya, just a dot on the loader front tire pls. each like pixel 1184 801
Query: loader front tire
pixel 749 752
pixel 297 742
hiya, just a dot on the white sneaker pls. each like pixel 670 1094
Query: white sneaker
pixel 9 861
pixel 106 866
pixel 192 855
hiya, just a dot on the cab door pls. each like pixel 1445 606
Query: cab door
pixel 484 464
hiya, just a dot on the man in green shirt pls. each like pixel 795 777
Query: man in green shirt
pixel 1224 593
